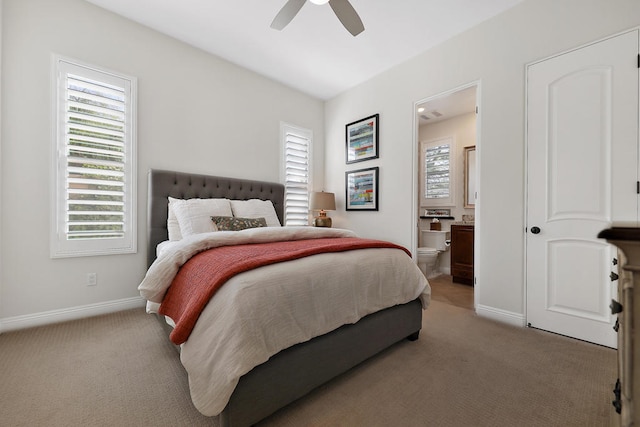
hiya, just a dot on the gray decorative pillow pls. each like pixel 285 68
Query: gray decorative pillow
pixel 232 223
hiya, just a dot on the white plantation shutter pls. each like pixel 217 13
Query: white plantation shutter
pixel 95 159
pixel 95 162
pixel 437 163
pixel 297 173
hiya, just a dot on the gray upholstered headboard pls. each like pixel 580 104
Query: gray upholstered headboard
pixel 163 184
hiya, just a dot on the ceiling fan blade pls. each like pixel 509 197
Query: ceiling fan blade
pixel 347 15
pixel 287 13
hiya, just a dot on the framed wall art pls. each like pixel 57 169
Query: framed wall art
pixel 362 189
pixel 362 139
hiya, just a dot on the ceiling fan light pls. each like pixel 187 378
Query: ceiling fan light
pixel 319 2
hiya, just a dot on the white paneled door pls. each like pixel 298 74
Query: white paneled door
pixel 582 173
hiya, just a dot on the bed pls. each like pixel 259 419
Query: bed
pixel 294 371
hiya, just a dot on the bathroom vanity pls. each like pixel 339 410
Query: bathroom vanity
pixel 462 236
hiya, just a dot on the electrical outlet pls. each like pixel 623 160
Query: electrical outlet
pixel 92 279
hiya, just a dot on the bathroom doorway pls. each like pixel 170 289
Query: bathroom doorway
pixel 446 149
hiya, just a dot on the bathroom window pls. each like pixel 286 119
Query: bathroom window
pixel 437 175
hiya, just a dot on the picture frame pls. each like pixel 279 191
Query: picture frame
pixel 361 187
pixel 362 139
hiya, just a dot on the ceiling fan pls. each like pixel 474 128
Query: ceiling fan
pixel 342 8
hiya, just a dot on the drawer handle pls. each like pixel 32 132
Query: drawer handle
pixel 615 307
pixel 616 392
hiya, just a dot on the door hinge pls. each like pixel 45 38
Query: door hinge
pixel 638 62
pixel 637 187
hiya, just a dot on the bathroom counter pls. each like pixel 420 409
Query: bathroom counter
pixel 435 216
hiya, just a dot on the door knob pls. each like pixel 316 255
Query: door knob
pixel 535 230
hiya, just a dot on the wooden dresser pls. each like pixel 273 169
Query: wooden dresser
pixel 462 237
pixel 626 270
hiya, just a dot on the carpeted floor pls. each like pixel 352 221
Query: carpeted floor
pixel 120 370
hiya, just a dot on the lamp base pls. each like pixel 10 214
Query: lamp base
pixel 322 221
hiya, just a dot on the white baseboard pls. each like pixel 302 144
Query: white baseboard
pixel 504 316
pixel 71 313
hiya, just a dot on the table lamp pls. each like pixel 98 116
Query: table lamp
pixel 322 201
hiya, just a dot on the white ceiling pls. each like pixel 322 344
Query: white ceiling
pixel 447 106
pixel 314 53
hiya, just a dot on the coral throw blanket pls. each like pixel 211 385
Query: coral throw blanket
pixel 201 277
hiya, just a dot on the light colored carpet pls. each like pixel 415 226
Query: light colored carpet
pixel 120 370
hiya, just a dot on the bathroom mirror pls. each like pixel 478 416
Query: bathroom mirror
pixel 470 177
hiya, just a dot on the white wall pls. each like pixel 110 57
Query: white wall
pixel 1 8
pixel 495 53
pixel 196 113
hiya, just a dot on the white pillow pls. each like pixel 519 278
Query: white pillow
pixel 172 223
pixel 256 208
pixel 194 215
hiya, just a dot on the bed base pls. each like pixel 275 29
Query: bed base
pixel 294 372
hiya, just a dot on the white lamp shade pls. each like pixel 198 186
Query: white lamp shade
pixel 323 201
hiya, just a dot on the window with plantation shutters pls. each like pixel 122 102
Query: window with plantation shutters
pixel 296 144
pixel 94 162
pixel 437 172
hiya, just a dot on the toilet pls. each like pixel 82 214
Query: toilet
pixel 433 243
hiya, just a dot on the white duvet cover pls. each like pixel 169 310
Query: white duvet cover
pixel 258 313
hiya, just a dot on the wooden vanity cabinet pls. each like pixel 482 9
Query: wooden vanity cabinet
pixel 462 253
